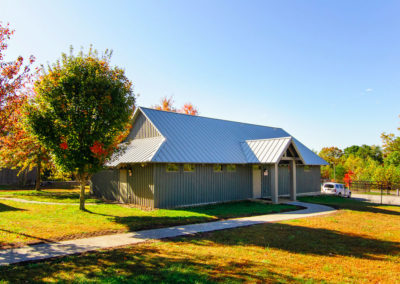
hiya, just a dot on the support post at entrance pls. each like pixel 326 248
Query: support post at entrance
pixel 293 190
pixel 274 191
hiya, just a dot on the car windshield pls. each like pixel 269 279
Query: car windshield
pixel 328 186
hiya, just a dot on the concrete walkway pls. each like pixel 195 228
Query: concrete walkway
pixel 49 250
pixel 41 202
pixel 386 199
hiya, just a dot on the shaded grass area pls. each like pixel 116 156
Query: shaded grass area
pixel 350 246
pixel 24 223
pixel 50 195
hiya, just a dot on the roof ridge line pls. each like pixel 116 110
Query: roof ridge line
pixel 172 112
pixel 264 139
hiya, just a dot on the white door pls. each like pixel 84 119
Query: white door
pixel 123 185
pixel 256 182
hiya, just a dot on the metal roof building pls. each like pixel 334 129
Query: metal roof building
pixel 180 150
pixel 194 139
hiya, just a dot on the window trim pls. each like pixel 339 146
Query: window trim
pixel 192 171
pixel 170 164
pixel 231 171
pixel 222 169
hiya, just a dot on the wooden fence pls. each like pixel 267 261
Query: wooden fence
pixel 11 177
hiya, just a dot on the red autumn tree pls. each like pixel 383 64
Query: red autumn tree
pixel 14 77
pixel 167 104
pixel 348 178
pixel 19 149
pixel 188 108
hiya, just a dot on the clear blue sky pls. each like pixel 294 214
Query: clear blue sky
pixel 328 72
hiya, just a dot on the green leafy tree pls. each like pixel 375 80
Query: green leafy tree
pixel 364 151
pixel 81 112
pixel 391 143
pixel 340 171
pixel 393 158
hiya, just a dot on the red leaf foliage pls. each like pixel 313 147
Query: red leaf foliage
pixel 15 78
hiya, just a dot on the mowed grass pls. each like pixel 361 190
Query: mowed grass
pixel 24 223
pixel 49 195
pixel 358 244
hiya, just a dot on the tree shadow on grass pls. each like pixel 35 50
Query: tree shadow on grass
pixel 300 240
pixel 135 223
pixel 137 265
pixel 8 245
pixel 4 208
pixel 72 197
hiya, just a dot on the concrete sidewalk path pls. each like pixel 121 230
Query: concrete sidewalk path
pixel 49 250
pixel 41 202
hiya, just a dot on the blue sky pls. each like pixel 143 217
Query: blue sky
pixel 328 72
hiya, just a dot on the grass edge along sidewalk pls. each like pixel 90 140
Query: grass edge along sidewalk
pixel 51 250
pixel 23 223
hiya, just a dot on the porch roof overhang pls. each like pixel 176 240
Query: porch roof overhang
pixel 137 151
pixel 268 151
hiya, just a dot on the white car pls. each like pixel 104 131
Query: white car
pixel 336 188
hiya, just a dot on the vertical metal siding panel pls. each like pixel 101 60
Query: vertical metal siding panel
pixel 284 180
pixel 142 128
pixel 266 181
pixel 308 181
pixel 142 185
pixel 106 184
pixel 202 186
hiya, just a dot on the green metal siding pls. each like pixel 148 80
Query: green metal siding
pixel 201 186
pixel 284 181
pixel 308 181
pixel 141 185
pixel 142 128
pixel 266 182
pixel 105 184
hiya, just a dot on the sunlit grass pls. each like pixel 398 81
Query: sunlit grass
pixel 50 195
pixel 358 244
pixel 23 223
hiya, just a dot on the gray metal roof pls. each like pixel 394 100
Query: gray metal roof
pixel 197 139
pixel 265 151
pixel 138 151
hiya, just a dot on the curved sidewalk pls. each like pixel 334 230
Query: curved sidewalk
pixel 49 250
pixel 40 202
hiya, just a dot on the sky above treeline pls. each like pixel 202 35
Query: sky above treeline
pixel 326 71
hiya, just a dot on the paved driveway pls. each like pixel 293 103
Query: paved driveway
pixel 386 199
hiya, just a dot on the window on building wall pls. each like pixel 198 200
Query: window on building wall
pixel 218 168
pixel 188 168
pixel 307 168
pixel 231 168
pixel 171 168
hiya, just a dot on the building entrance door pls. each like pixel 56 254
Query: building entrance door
pixel 256 181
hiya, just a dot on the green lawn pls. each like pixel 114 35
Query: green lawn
pixel 49 195
pixel 358 244
pixel 24 223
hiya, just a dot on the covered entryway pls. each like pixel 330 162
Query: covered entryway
pixel 281 154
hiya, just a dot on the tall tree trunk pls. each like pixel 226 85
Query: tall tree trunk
pixel 83 182
pixel 38 170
